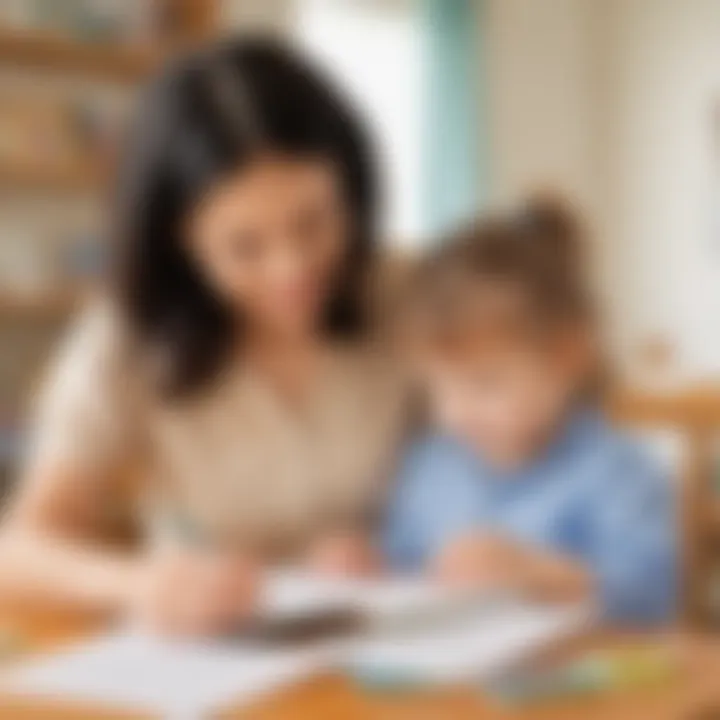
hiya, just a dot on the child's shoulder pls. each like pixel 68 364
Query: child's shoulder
pixel 616 441
pixel 614 453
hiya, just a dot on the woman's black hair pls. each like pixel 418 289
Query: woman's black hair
pixel 202 119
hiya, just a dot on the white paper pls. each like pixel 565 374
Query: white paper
pixel 291 593
pixel 176 680
pixel 183 680
pixel 476 647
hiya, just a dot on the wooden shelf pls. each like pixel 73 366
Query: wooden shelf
pixel 18 177
pixel 52 305
pixel 54 53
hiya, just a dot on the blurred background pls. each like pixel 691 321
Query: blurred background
pixel 614 104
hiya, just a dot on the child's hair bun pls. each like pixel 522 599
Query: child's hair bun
pixel 535 252
pixel 552 227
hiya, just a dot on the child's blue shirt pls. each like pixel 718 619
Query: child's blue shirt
pixel 593 495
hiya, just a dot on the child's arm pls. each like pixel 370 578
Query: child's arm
pixel 634 541
pixel 627 563
pixel 435 489
pixel 553 576
pixel 497 562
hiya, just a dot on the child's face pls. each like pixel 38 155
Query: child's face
pixel 505 400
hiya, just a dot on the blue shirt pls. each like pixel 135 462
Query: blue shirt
pixel 592 494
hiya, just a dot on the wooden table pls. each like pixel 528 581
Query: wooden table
pixel 694 695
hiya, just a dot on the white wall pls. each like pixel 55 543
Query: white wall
pixel 612 103
pixel 664 168
pixel 545 99
pixel 540 96
pixel 261 15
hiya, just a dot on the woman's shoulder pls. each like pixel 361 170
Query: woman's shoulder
pixel 98 344
pixel 100 321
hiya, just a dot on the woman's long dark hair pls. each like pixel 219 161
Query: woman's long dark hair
pixel 205 117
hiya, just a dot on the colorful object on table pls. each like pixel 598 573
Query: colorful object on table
pixel 592 674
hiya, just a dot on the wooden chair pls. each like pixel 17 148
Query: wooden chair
pixel 695 416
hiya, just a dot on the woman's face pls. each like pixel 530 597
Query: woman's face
pixel 270 240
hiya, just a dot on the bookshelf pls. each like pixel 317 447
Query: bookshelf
pixel 48 179
pixel 51 52
pixel 66 66
pixel 44 306
pixel 57 55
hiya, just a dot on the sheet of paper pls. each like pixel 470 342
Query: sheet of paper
pixel 472 648
pixel 182 680
pixel 175 680
pixel 291 593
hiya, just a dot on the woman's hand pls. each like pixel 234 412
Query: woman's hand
pixel 344 554
pixel 195 594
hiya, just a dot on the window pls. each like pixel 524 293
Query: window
pixel 373 49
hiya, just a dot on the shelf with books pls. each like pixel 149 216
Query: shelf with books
pixel 21 177
pixel 47 305
pixel 52 52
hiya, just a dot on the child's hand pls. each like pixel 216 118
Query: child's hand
pixel 344 554
pixel 195 593
pixel 477 560
pixel 489 561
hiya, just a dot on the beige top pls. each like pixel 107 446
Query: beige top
pixel 236 462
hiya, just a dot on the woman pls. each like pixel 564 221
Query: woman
pixel 231 370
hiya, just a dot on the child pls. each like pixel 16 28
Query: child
pixel 524 486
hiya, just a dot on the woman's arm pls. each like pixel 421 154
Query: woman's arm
pixel 50 554
pixel 52 549
pixel 86 428
pixel 53 543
